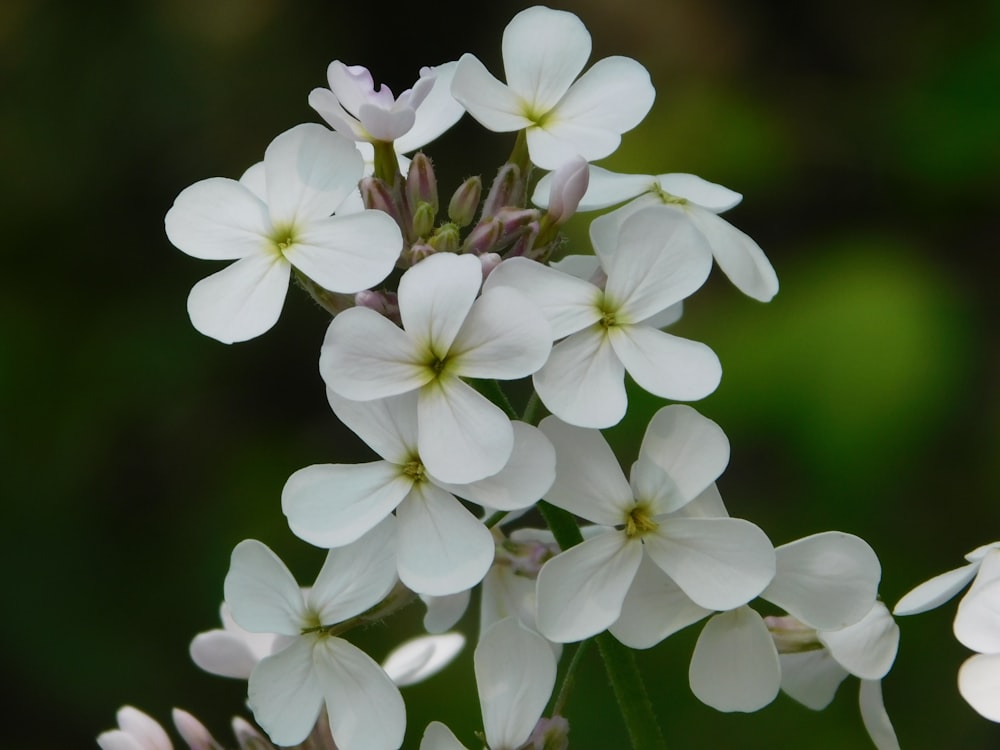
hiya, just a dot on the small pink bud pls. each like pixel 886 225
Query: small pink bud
pixel 465 201
pixel 193 732
pixel 569 183
pixel 507 190
pixel 484 237
pixel 489 262
pixel 421 184
pixel 549 734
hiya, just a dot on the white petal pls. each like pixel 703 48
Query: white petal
pixel 444 612
pixel 654 608
pixel 515 673
pixel 589 483
pixel 977 621
pixel 357 576
pixel 436 113
pixel 364 357
pixel 874 716
pixel 309 170
pixel 506 593
pixel 284 695
pixel 979 684
pixel 117 740
pixel 525 478
pixel 989 570
pixel 827 581
pixel 385 124
pixel 328 106
pixel 261 592
pixel 417 659
pixel 331 505
pixel 442 547
pixel 387 425
pixel 739 257
pixel 253 179
pixel 605 229
pixel 193 732
pixel 866 649
pixel 218 219
pixel 241 301
pixel 692 449
pixel 720 563
pixel 435 297
pixel 735 666
pixel 708 504
pixel 652 486
pixel 568 303
pixel 709 195
pixel 561 141
pixel 463 437
pixel 581 590
pixel 608 188
pixel 583 382
pixel 438 737
pixel 347 253
pixel 666 365
pixel 222 653
pixel 543 51
pixel 365 709
pixel 811 677
pixel 494 105
pixel 936 591
pixel 143 728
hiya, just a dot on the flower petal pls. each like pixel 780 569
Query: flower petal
pixel 284 695
pixel 223 653
pixel 708 195
pixel 874 716
pixel 435 297
pixel 438 737
pixel 739 257
pixel 979 684
pixel 493 104
pixel 436 113
pixel 261 593
pixel 444 612
pixel 666 365
pixel 977 621
pixel 811 677
pixel 936 591
pixel 867 648
pixel 417 659
pixel 387 425
pixel 144 728
pixel 218 219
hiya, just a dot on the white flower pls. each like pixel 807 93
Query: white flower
pixel 288 689
pixel 308 172
pixel 231 651
pixel 448 334
pixel 544 51
pixel 698 201
pixel 652 263
pixel 442 548
pixel 515 673
pixel 136 731
pixel 719 563
pixel 353 107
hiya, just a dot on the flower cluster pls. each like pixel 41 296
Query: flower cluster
pixel 430 314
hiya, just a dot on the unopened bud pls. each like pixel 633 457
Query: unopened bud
pixel 193 732
pixel 421 184
pixel 513 220
pixel 446 239
pixel 465 201
pixel 378 195
pixel 549 734
pixel 792 636
pixel 418 252
pixel 507 190
pixel 384 303
pixel 423 219
pixel 525 244
pixel 248 737
pixel 489 261
pixel 569 183
pixel 484 237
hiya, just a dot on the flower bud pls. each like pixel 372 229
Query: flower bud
pixel 418 252
pixel 549 734
pixel 421 185
pixel 378 195
pixel 248 737
pixel 446 239
pixel 569 183
pixel 489 261
pixel 465 201
pixel 423 219
pixel 384 303
pixel 525 244
pixel 507 190
pixel 484 237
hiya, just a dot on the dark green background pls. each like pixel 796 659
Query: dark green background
pixel 137 453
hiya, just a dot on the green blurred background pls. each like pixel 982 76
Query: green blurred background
pixel 137 453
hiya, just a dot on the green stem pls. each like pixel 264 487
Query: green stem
pixel 633 700
pixel 534 410
pixel 387 163
pixel 496 518
pixel 567 685
pixel 519 154
pixel 492 390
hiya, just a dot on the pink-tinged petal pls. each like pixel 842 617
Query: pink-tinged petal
pixel 658 263
pixel 331 505
pixel 604 189
pixel 613 95
pixel 444 612
pixel 385 124
pixel 720 563
pixel 365 708
pixel 568 303
pixel 977 621
pixel 581 590
pixel 417 659
pixel 811 677
pixel 309 171
pixel 867 648
pixel 692 449
pixel 709 195
pixel 328 107
pixel 144 728
pixel 544 50
pixel 218 219
pixel 284 695
pixel 353 85
pixel 436 113
pixel 515 674
pixel 387 425
pixel 364 356
pixel 223 653
pixel 735 665
pixel 739 257
pixel 435 297
pixel 525 478
pixel 828 580
pixel 347 253
pixel 193 732
pixel 979 684
pixel 438 737
pixel 493 104
pixel 260 591
pixel 589 483
pixel 583 383
pixel 117 740
pixel 241 301
pixel 666 365
pixel 442 548
pixel 357 576
pixel 463 437
pixel 936 591
pixel 503 337
pixel 654 608
pixel 875 717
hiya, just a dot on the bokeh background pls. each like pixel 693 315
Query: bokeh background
pixel 136 453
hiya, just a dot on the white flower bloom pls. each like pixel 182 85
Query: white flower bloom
pixel 939 589
pixel 651 264
pixel 698 200
pixel 448 334
pixel 136 731
pixel 353 107
pixel 231 651
pixel 544 51
pixel 719 563
pixel 308 172
pixel 288 689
